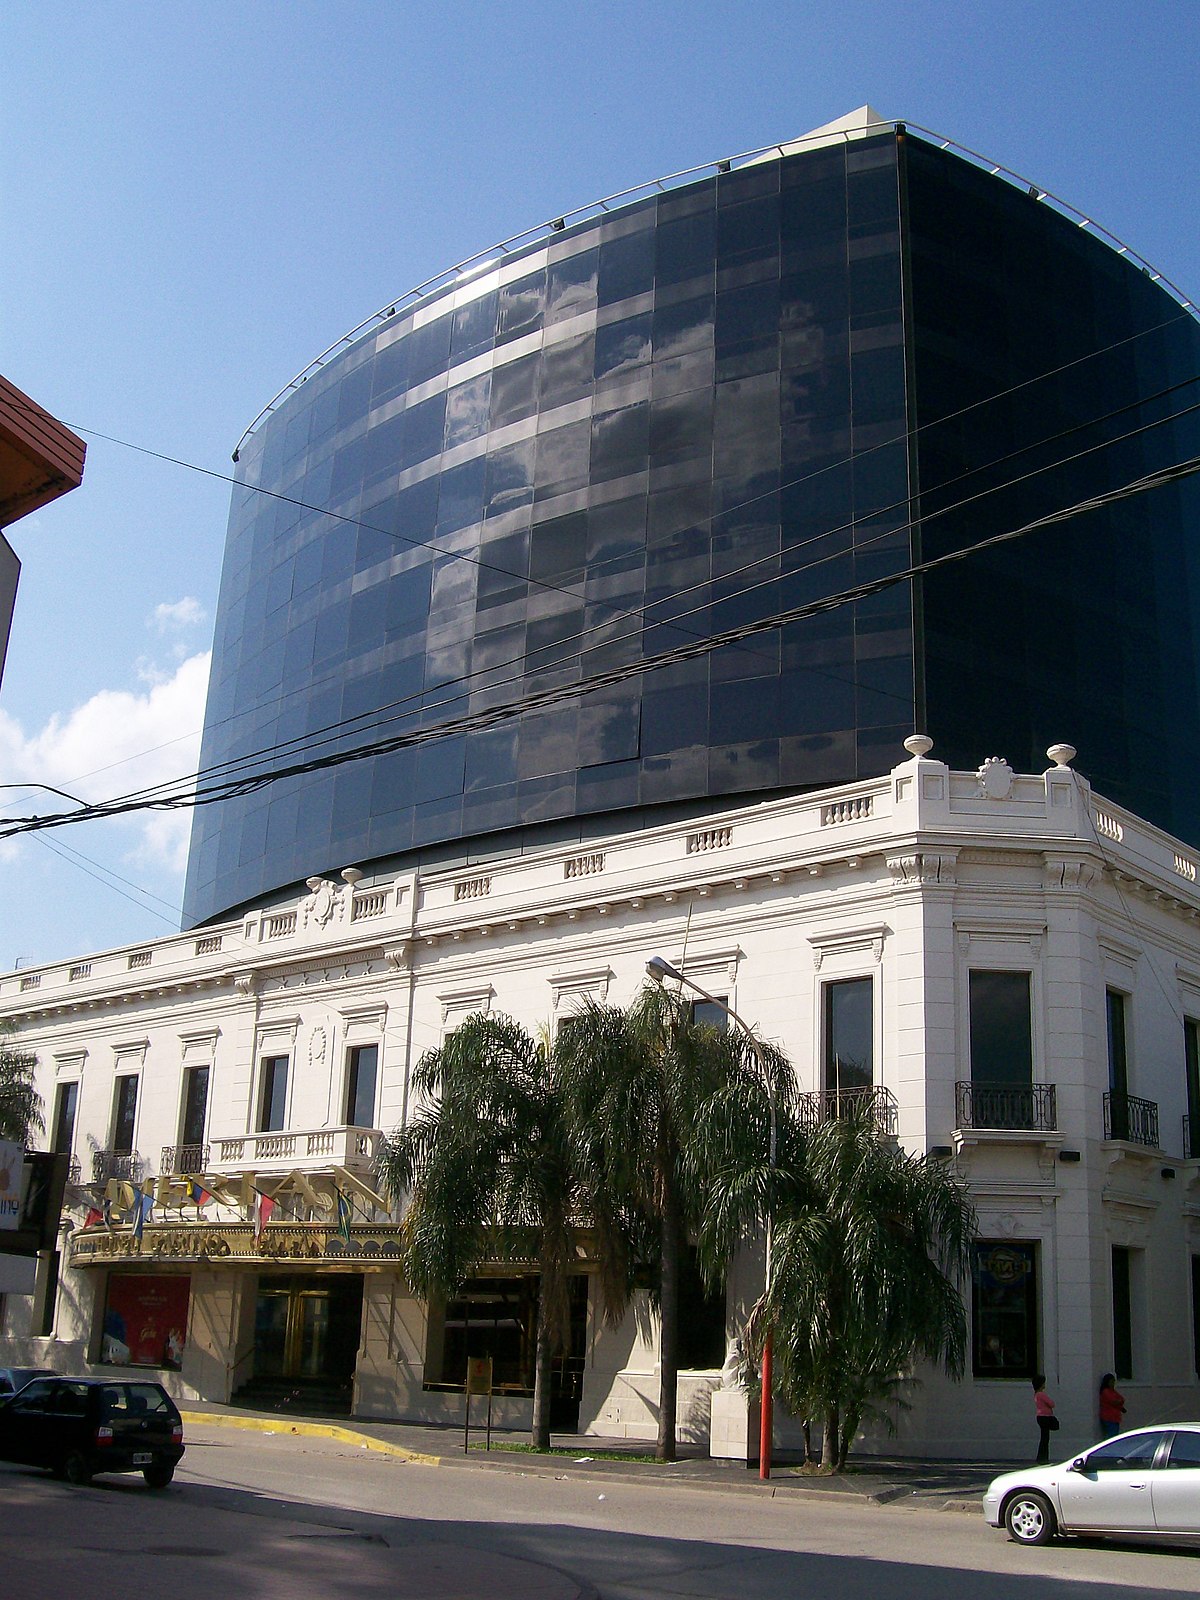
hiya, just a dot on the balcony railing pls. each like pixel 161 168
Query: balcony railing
pixel 74 1171
pixel 311 1149
pixel 1130 1119
pixel 1006 1107
pixel 826 1105
pixel 125 1165
pixel 183 1160
pixel 1191 1138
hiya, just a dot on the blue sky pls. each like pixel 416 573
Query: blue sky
pixel 197 199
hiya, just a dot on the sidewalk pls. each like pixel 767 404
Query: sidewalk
pixel 935 1485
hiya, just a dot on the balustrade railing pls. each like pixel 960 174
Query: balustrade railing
pixel 304 1147
pixel 1006 1107
pixel 183 1160
pixel 1130 1119
pixel 125 1165
pixel 826 1105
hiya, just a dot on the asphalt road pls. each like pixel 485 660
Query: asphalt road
pixel 275 1515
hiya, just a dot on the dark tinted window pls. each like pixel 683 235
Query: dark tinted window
pixel 1001 1041
pixel 124 1114
pixel 1185 1449
pixel 273 1094
pixel 1138 1450
pixel 849 1034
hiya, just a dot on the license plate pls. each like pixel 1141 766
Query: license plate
pixel 143 1458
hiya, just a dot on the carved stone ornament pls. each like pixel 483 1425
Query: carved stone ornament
pixel 316 1047
pixel 323 903
pixel 995 779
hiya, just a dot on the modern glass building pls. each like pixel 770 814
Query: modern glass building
pixel 700 409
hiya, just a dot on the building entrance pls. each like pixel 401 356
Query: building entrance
pixel 306 1331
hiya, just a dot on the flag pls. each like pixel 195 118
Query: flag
pixel 143 1206
pixel 94 1215
pixel 196 1192
pixel 344 1213
pixel 263 1214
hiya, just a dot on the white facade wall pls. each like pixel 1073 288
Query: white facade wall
pixel 912 880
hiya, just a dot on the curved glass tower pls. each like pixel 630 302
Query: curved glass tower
pixel 696 411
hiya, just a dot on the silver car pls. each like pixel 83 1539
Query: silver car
pixel 1143 1484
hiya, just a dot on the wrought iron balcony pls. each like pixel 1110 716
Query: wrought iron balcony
pixel 1006 1107
pixel 1130 1119
pixel 74 1171
pixel 306 1149
pixel 1191 1138
pixel 826 1105
pixel 121 1164
pixel 183 1160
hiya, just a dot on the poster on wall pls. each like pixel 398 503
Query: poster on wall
pixel 145 1321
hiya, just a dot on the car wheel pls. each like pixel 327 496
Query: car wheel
pixel 158 1477
pixel 1029 1518
pixel 75 1469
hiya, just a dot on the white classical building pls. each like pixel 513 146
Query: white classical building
pixel 1008 965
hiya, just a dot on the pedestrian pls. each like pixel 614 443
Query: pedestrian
pixel 1112 1407
pixel 1046 1420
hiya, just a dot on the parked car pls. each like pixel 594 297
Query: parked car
pixel 14 1378
pixel 81 1426
pixel 1143 1484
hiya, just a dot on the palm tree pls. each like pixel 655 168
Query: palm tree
pixel 636 1082
pixel 871 1248
pixel 21 1108
pixel 486 1164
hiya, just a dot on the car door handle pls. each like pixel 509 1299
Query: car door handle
pixel 1137 1485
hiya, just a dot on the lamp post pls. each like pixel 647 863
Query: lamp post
pixel 660 970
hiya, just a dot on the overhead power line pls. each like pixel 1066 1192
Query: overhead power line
pixel 498 714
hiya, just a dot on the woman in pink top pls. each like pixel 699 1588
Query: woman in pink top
pixel 1046 1420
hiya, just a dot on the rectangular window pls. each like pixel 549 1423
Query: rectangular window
pixel 47 1296
pixel 1196 1313
pixel 849 1035
pixel 1191 1047
pixel 1004 1309
pixel 195 1105
pixel 711 1014
pixel 494 1317
pixel 124 1114
pixel 360 1086
pixel 64 1116
pixel 1122 1312
pixel 1118 1045
pixel 272 1102
pixel 1001 1030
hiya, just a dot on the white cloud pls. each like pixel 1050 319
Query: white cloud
pixel 115 742
pixel 173 615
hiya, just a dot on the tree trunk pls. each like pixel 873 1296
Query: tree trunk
pixel 831 1443
pixel 806 1427
pixel 540 1432
pixel 669 1338
pixel 849 1428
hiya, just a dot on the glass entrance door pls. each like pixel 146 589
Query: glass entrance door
pixel 307 1328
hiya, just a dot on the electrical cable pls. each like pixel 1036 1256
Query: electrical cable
pixel 419 702
pixel 438 550
pixel 201 796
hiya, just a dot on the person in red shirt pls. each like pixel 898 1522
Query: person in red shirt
pixel 1112 1407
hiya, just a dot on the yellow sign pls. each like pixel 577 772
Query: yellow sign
pixel 479 1375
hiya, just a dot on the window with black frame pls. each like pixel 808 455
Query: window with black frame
pixel 124 1114
pixel 362 1071
pixel 849 1036
pixel 494 1317
pixel 66 1101
pixel 272 1099
pixel 1001 1092
pixel 195 1106
pixel 1004 1309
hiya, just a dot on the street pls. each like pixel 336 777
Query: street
pixel 276 1515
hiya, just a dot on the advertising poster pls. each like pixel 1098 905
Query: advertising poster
pixel 145 1320
pixel 12 1161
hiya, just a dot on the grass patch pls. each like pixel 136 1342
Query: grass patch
pixel 513 1448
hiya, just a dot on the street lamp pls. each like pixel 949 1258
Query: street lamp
pixel 660 970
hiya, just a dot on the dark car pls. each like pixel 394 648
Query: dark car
pixel 14 1378
pixel 80 1426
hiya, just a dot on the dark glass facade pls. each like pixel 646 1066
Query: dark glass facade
pixel 694 412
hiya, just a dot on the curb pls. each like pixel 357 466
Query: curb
pixel 312 1430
